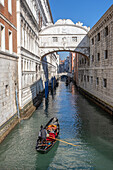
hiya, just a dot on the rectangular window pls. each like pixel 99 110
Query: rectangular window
pixel 7 90
pixel 74 39
pixel 92 58
pixel 2 32
pixel 2 2
pixel 97 81
pixel 91 79
pixel 98 56
pixel 106 31
pixel 106 54
pixel 10 42
pixel 84 77
pixel 98 37
pixel 10 6
pixel 92 41
pixel 87 78
pixel 105 83
pixel 81 78
pixel 55 39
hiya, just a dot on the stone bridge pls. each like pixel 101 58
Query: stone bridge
pixel 65 74
pixel 64 35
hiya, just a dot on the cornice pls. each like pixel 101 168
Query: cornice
pixel 8 22
pixel 50 11
pixel 29 13
pixel 6 53
pixel 57 25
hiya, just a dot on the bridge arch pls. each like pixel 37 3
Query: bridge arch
pixel 64 35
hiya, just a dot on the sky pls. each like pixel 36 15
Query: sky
pixel 86 11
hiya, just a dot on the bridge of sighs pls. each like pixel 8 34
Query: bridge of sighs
pixel 64 35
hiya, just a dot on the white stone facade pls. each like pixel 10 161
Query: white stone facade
pixel 8 62
pixel 64 35
pixel 8 84
pixel 96 75
pixel 32 15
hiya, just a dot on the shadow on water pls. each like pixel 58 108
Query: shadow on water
pixel 95 127
pixel 43 160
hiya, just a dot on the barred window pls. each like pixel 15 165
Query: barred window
pixel 91 79
pixel 92 58
pixel 105 83
pixel 98 56
pixel 55 39
pixel 106 54
pixel 92 41
pixel 98 36
pixel 106 31
pixel 97 81
pixel 74 39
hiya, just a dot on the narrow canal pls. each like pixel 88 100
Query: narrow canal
pixel 81 123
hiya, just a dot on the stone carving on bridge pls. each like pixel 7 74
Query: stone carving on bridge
pixel 64 35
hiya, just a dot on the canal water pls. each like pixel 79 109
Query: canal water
pixel 82 123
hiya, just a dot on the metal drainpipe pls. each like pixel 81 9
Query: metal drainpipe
pixel 18 113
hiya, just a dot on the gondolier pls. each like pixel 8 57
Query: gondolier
pixel 42 134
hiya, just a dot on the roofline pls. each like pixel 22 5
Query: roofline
pixel 56 25
pixel 50 11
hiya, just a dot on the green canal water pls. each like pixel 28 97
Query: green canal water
pixel 81 123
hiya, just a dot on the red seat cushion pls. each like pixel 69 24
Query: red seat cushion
pixel 51 135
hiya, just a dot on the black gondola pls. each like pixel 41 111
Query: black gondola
pixel 53 129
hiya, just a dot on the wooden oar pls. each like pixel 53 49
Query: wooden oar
pixel 64 141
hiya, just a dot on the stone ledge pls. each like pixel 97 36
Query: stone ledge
pixel 105 106
pixel 25 113
pixel 7 128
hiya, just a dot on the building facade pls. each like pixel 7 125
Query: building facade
pixel 96 73
pixel 8 61
pixel 33 71
pixel 22 71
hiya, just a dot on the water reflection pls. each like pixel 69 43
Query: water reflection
pixel 43 160
pixel 81 123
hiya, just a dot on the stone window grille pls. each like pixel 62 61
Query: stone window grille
pixel 55 39
pixel 98 37
pixel 74 39
pixel 106 31
pixel 106 54
pixel 105 83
